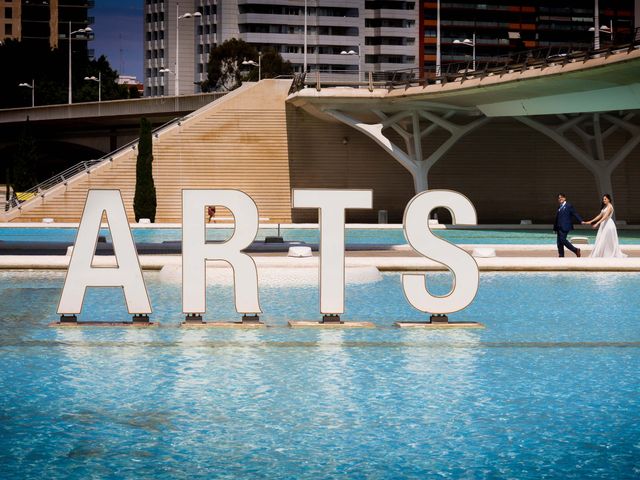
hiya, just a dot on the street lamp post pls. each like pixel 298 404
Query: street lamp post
pixel 596 27
pixel 33 91
pixel 99 80
pixel 469 43
pixel 304 69
pixel 358 53
pixel 438 47
pixel 81 30
pixel 254 64
pixel 178 18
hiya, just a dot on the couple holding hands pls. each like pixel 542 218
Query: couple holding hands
pixel 606 246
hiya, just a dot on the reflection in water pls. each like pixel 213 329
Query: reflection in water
pixel 218 377
pixel 333 376
pixel 76 353
pixel 432 353
pixel 520 399
pixel 190 363
pixel 442 367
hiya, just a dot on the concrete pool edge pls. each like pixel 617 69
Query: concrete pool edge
pixel 304 226
pixel 383 264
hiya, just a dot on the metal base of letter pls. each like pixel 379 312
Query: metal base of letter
pixel 439 321
pixel 139 318
pixel 331 319
pixel 193 319
pixel 71 321
pixel 251 319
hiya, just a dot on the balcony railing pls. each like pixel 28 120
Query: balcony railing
pixel 462 71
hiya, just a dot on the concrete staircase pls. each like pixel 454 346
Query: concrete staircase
pixel 239 141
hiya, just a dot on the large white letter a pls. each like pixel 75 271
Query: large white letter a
pixel 127 274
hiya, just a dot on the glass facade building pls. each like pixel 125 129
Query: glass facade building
pixel 378 35
pixel 502 27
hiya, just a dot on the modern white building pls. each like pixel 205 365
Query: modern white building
pixel 351 35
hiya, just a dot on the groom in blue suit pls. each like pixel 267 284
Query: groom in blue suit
pixel 564 224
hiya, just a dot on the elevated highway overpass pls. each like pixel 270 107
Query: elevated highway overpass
pixel 102 126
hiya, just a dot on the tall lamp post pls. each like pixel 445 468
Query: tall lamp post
pixel 33 91
pixel 353 52
pixel 596 28
pixel 178 18
pixel 99 80
pixel 438 42
pixel 304 69
pixel 469 43
pixel 81 30
pixel 254 64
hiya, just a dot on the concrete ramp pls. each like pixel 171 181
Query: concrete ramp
pixel 238 141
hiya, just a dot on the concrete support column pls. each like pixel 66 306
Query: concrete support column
pixel 409 125
pixel 589 129
pixel 421 177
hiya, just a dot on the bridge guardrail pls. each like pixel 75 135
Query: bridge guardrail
pixel 461 71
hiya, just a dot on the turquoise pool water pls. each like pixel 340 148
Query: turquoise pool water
pixel 372 236
pixel 548 390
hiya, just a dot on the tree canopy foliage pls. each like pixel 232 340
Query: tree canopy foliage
pixel 28 61
pixel 25 158
pixel 226 71
pixel 272 65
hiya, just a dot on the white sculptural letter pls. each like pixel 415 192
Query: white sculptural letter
pixel 462 265
pixel 127 274
pixel 196 251
pixel 332 205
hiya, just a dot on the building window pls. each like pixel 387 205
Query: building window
pixel 8 12
pixel 8 30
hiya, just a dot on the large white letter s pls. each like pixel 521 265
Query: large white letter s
pixel 462 265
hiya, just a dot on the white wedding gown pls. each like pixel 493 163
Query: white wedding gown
pixel 607 245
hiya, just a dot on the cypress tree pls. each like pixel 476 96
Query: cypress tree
pixel 144 201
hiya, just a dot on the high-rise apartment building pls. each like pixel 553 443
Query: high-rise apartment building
pixel 374 36
pixel 501 27
pixel 10 19
pixel 45 21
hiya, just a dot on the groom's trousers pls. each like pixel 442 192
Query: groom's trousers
pixel 563 242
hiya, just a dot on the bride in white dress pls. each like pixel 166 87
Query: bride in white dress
pixel 607 238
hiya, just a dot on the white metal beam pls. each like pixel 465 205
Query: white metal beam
pixel 412 159
pixel 594 157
